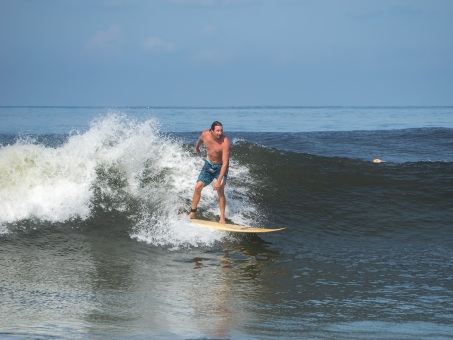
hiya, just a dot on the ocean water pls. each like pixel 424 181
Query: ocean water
pixel 95 243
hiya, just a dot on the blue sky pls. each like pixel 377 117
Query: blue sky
pixel 226 52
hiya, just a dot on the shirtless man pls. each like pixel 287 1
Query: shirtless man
pixel 215 166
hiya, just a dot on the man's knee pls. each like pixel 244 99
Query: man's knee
pixel 199 187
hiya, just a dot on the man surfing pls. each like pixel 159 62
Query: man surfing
pixel 215 166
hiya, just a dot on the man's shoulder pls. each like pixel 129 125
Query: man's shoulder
pixel 226 141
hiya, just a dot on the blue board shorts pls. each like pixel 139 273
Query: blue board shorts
pixel 211 171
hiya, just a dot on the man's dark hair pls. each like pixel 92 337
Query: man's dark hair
pixel 216 123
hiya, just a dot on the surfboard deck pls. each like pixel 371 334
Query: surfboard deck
pixel 235 228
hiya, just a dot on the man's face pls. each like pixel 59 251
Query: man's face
pixel 218 131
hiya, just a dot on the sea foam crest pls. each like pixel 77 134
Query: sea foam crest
pixel 118 164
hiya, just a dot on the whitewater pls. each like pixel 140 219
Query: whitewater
pixel 118 164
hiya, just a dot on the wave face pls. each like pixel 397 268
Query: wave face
pixel 344 195
pixel 321 182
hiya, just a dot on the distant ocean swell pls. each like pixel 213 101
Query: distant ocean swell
pixel 131 169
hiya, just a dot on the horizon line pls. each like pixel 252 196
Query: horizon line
pixel 222 106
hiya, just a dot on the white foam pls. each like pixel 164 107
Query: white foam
pixel 44 183
pixel 118 160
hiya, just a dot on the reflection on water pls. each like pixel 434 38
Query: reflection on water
pixel 95 281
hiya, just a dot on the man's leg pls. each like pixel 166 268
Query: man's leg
pixel 196 198
pixel 222 202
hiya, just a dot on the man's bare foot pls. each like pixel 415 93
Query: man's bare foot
pixel 222 220
pixel 192 213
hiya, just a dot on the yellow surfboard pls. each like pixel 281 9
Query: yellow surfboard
pixel 235 228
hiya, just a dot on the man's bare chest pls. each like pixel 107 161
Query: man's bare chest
pixel 214 147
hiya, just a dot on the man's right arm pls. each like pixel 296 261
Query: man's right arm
pixel 199 142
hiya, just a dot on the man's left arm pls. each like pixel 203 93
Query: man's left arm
pixel 225 159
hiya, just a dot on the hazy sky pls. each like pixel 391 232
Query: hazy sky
pixel 226 52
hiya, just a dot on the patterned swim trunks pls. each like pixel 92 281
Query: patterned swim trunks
pixel 211 171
